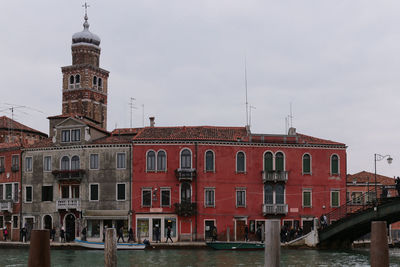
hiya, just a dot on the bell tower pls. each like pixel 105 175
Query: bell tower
pixel 85 85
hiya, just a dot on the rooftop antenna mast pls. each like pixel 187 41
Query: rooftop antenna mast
pixel 132 106
pixel 250 107
pixel 291 116
pixel 142 115
pixel 245 81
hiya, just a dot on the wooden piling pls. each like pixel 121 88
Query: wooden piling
pixel 272 243
pixel 39 249
pixel 110 248
pixel 379 250
pixel 228 234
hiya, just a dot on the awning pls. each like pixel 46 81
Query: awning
pixel 106 214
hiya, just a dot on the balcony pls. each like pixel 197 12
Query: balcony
pixel 185 174
pixel 275 209
pixel 14 168
pixel 185 209
pixel 274 176
pixel 67 175
pixel 68 204
pixel 6 205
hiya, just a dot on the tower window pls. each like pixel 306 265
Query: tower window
pixel 95 81
pixel 71 82
pixel 77 80
pixel 100 83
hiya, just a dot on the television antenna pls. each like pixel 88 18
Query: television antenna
pixel 132 107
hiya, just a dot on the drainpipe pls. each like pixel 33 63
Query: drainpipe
pixel 20 198
pixel 195 198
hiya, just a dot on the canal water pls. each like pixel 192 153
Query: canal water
pixel 289 257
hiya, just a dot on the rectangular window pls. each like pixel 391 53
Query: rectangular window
pixel 28 164
pixel 307 198
pixel 240 198
pixel 2 168
pixel 335 201
pixel 120 191
pixel 1 192
pixel 9 189
pixel 47 164
pixel 94 161
pixel 209 197
pixel 65 136
pixel 65 191
pixel 15 221
pixel 121 161
pixel 75 191
pixel 165 197
pixel 47 193
pixel 356 198
pixel 94 192
pixel 75 135
pixel 28 194
pixel 16 192
pixel 146 197
pixel 15 162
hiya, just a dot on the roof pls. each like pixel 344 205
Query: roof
pixel 306 139
pixel 365 177
pixel 81 118
pixel 7 146
pixel 7 123
pixel 126 131
pixel 211 133
pixel 114 139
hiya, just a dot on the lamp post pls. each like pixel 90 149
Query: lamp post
pixel 378 157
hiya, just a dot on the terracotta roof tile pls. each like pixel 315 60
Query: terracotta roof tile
pixel 306 139
pixel 6 123
pixel 364 177
pixel 126 131
pixel 192 133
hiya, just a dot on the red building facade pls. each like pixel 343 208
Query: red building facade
pixel 196 178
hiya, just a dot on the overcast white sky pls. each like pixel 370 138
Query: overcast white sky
pixel 337 62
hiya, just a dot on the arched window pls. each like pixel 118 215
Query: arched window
pixel 77 80
pixel 268 194
pixel 240 162
pixel 151 161
pixel 161 161
pixel 95 81
pixel 100 82
pixel 268 162
pixel 71 81
pixel 279 161
pixel 209 161
pixel 334 164
pixel 186 192
pixel 306 163
pixel 65 163
pixel 75 163
pixel 186 159
pixel 279 194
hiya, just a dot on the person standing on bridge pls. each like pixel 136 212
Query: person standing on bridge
pixel 384 193
pixel 398 185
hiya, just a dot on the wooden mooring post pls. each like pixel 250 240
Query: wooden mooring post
pixel 39 249
pixel 110 248
pixel 379 250
pixel 272 254
pixel 228 234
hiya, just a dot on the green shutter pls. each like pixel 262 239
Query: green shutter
pixel 279 162
pixel 306 164
pixel 268 163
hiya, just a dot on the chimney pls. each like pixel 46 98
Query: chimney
pixel 152 121
pixel 292 131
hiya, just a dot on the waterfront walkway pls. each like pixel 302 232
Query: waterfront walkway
pixel 73 245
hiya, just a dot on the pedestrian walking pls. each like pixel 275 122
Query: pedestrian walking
pixel 84 232
pixel 52 234
pixel 5 233
pixel 130 235
pixel 246 233
pixel 62 234
pixel 398 185
pixel 214 234
pixel 121 234
pixel 157 234
pixel 169 235
pixel 23 234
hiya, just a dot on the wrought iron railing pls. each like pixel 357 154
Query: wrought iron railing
pixel 185 174
pixel 275 209
pixel 274 176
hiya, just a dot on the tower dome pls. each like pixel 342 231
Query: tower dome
pixel 85 36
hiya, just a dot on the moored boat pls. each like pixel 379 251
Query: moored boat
pixel 100 245
pixel 222 245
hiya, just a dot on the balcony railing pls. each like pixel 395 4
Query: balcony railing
pixel 68 204
pixel 185 174
pixel 274 176
pixel 275 209
pixel 69 174
pixel 14 168
pixel 6 205
pixel 185 209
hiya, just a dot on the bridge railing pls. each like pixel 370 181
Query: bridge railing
pixel 358 202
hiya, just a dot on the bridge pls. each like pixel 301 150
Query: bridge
pixel 351 221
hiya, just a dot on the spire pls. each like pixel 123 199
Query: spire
pixel 86 23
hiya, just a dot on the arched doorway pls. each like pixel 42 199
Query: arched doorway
pixel 70 227
pixel 47 222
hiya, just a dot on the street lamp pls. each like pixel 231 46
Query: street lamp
pixel 378 157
